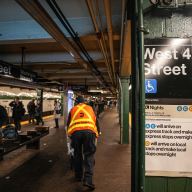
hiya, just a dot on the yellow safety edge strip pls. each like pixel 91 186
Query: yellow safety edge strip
pixel 27 122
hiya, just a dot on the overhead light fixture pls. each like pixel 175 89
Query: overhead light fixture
pixel 71 54
pixel 154 2
pixel 167 2
pixel 70 91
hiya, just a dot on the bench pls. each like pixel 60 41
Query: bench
pixel 30 139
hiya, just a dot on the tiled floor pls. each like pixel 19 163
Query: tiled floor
pixel 49 170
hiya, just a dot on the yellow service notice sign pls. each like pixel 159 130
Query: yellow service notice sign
pixel 168 93
pixel 168 140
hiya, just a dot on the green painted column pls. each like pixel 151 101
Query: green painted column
pixel 125 109
pixel 141 97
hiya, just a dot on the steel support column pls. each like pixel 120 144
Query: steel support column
pixel 125 110
pixel 132 10
pixel 138 97
pixel 141 97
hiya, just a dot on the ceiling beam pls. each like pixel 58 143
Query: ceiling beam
pixel 66 73
pixel 35 9
pixel 27 41
pixel 59 63
pixel 101 40
pixel 84 38
pixel 125 69
pixel 68 78
pixel 80 81
pixel 93 37
pixel 107 8
pixel 61 69
pixel 53 64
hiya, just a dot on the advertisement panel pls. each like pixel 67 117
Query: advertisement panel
pixel 168 88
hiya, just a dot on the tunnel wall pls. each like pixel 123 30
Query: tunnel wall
pixel 168 24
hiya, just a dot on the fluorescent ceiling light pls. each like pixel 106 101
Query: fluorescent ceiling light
pixel 70 91
pixel 95 90
pixel 71 54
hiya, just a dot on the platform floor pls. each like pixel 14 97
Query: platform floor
pixel 49 170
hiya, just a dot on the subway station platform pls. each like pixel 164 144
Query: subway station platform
pixel 49 169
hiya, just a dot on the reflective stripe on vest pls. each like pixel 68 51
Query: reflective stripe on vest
pixel 86 123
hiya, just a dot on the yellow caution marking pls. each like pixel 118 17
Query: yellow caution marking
pixel 147 143
pixel 27 122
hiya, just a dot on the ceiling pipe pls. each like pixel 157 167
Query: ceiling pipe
pixel 107 7
pixel 35 9
pixel 39 14
pixel 122 31
pixel 100 38
pixel 57 11
pixel 22 56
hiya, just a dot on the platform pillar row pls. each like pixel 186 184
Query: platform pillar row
pixel 124 101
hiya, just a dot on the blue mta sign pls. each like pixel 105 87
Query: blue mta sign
pixel 150 86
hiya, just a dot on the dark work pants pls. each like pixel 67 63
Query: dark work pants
pixel 17 123
pixel 57 123
pixel 39 120
pixel 83 143
pixel 31 118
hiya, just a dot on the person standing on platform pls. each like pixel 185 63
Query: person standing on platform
pixel 3 116
pixel 18 112
pixel 91 103
pixel 31 111
pixel 83 129
pixel 57 113
pixel 38 113
pixel 111 104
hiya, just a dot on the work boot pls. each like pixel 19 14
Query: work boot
pixel 78 177
pixel 89 185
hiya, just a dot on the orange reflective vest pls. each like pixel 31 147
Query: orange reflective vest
pixel 82 118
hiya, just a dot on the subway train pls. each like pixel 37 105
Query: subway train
pixel 7 94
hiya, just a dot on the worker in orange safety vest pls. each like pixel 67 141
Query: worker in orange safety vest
pixel 83 129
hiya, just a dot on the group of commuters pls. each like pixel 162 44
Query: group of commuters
pixel 82 128
pixel 34 113
pixel 18 111
pixel 3 116
pixel 100 104
pixel 111 104
pixel 97 105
